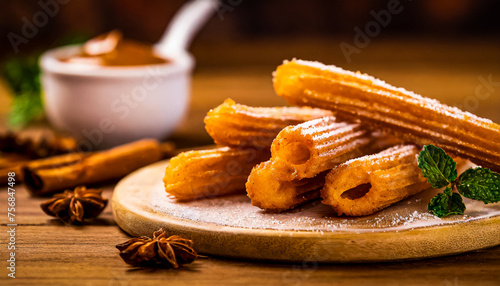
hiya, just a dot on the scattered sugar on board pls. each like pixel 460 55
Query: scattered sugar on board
pixel 236 211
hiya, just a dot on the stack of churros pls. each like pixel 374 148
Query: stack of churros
pixel 301 156
pixel 353 141
pixel 244 135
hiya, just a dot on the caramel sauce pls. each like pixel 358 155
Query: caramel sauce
pixel 113 50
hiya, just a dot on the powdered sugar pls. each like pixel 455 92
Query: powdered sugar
pixel 237 211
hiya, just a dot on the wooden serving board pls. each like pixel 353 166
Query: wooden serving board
pixel 232 227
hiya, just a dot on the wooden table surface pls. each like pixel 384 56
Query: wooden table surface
pixel 51 253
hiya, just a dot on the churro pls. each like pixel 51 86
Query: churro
pixel 370 183
pixel 408 115
pixel 232 124
pixel 272 195
pixel 307 149
pixel 209 173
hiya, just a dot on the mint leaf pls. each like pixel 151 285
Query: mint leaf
pixel 446 203
pixel 480 184
pixel 457 206
pixel 437 167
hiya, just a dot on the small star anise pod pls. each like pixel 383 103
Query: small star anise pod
pixel 75 206
pixel 170 251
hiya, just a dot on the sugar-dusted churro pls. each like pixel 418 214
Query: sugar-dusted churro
pixel 270 194
pixel 277 190
pixel 370 183
pixel 232 124
pixel 406 114
pixel 307 149
pixel 209 173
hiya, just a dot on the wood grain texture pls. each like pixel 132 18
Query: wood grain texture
pixel 51 253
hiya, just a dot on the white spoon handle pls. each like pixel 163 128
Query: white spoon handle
pixel 184 26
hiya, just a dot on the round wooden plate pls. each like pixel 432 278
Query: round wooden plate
pixel 232 227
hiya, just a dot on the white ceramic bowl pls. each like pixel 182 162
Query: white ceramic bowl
pixel 107 106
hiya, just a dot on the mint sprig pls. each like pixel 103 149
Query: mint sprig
pixel 447 203
pixel 480 184
pixel 440 170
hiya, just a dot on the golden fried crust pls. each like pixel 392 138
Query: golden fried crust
pixel 408 115
pixel 370 183
pixel 305 150
pixel 232 124
pixel 209 173
pixel 272 195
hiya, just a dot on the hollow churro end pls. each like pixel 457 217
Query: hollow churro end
pixel 295 153
pixel 305 150
pixel 273 195
pixel 367 184
pixel 266 192
pixel 356 192
pixel 344 185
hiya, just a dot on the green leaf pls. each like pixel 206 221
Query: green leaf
pixel 26 107
pixel 439 168
pixel 23 77
pixel 480 184
pixel 446 203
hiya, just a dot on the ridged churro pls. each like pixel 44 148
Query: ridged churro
pixel 209 173
pixel 277 190
pixel 408 115
pixel 232 124
pixel 270 194
pixel 307 149
pixel 367 184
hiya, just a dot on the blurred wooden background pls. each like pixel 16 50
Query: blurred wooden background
pixel 443 49
pixel 252 19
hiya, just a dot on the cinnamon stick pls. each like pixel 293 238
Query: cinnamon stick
pixel 67 171
pixel 4 174
pixel 18 166
pixel 11 162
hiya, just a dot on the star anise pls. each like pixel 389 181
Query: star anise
pixel 75 206
pixel 170 251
